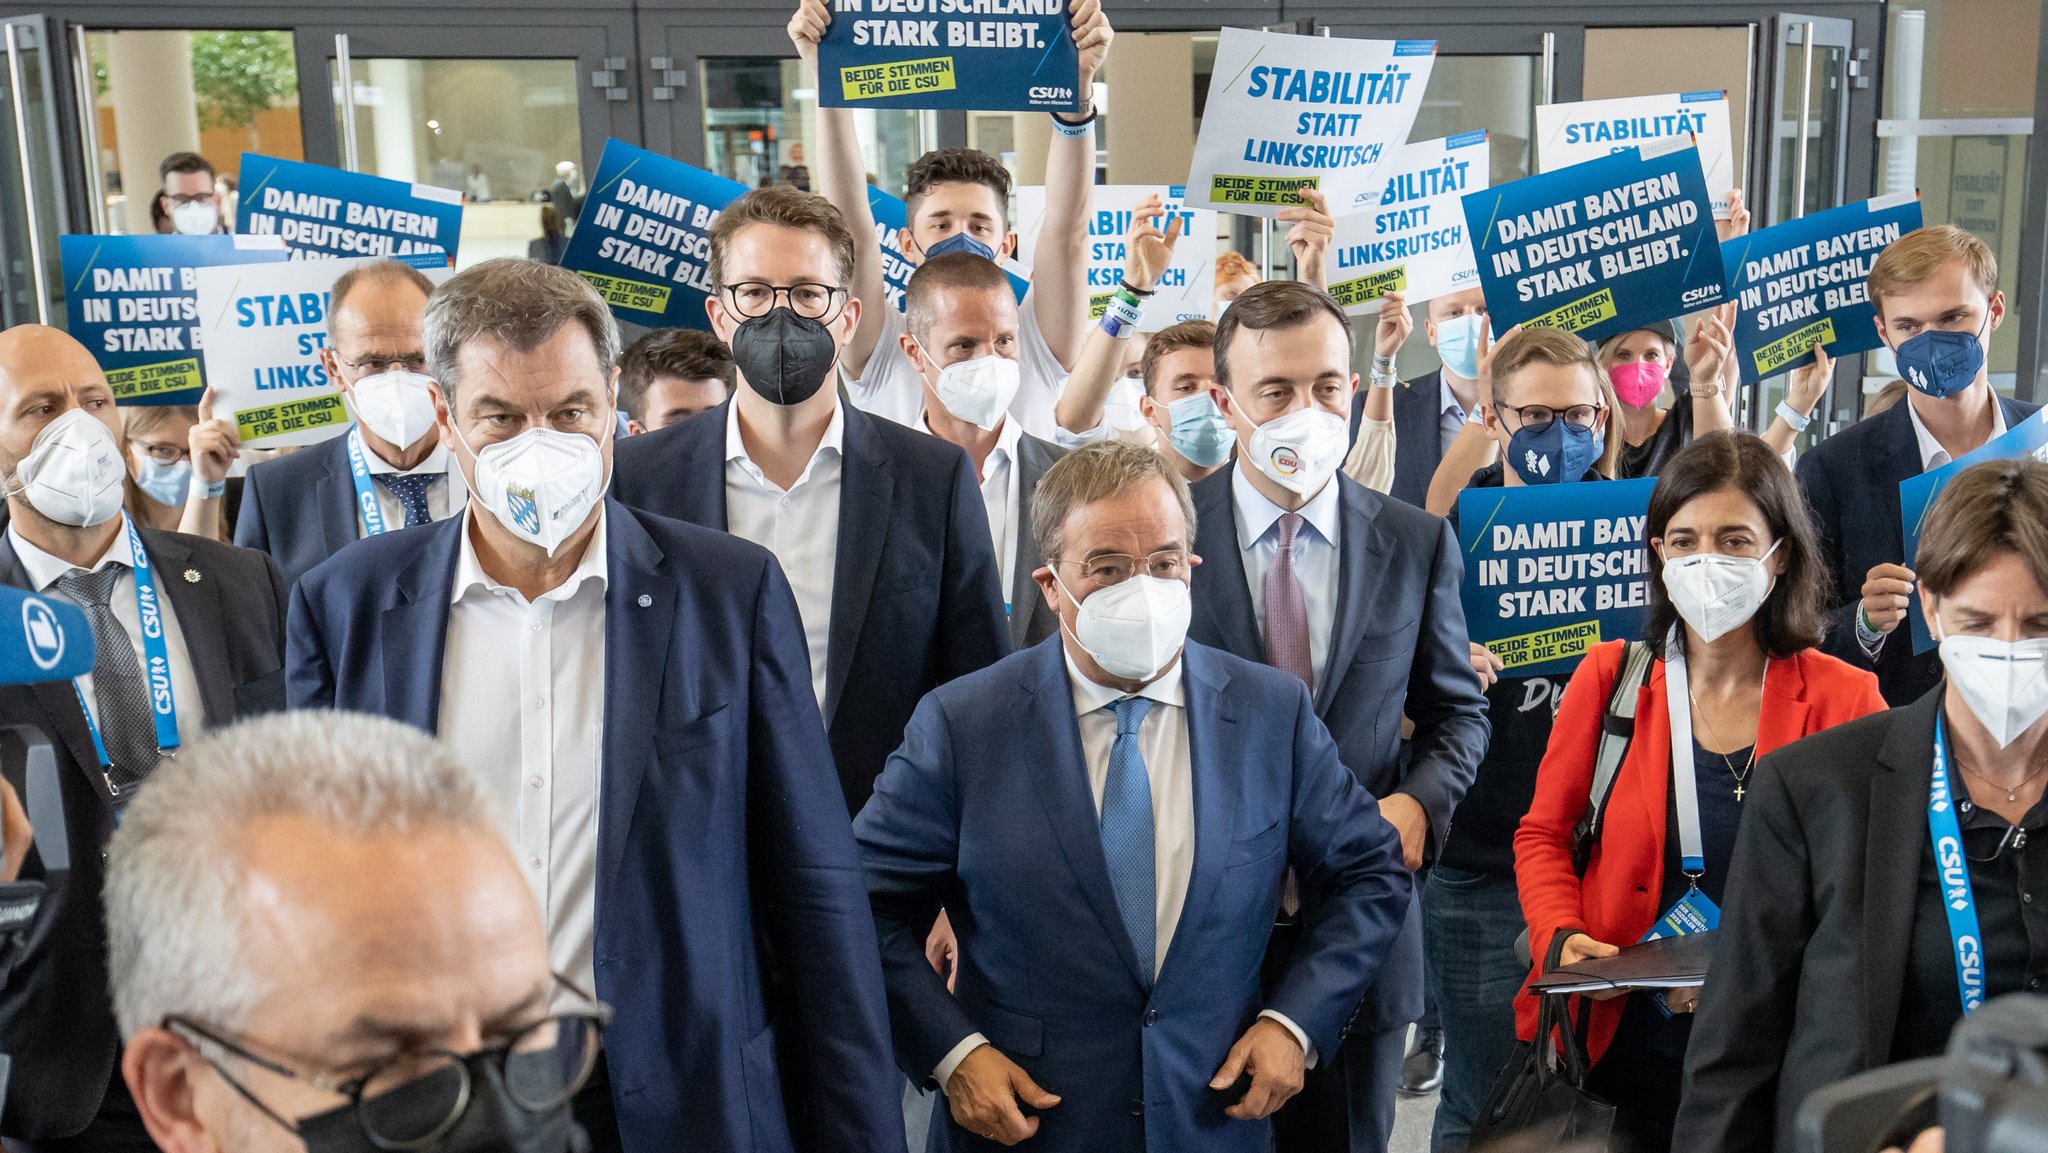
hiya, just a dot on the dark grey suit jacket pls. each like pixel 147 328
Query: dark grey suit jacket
pixel 1031 619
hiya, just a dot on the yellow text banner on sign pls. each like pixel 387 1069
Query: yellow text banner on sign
pixel 622 293
pixel 290 417
pixel 898 78
pixel 1566 643
pixel 155 379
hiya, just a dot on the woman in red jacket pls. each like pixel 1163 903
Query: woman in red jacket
pixel 1738 599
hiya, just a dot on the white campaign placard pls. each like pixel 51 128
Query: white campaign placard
pixel 1413 240
pixel 1286 112
pixel 1567 134
pixel 1189 281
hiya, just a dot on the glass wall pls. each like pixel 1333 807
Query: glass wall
pixel 758 113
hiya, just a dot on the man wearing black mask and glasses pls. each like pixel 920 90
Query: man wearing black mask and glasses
pixel 880 528
pixel 353 962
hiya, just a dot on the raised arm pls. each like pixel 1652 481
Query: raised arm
pixel 1059 285
pixel 215 446
pixel 1309 239
pixel 1802 392
pixel 1472 449
pixel 1147 252
pixel 1708 353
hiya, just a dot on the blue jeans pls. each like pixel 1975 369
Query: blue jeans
pixel 1469 925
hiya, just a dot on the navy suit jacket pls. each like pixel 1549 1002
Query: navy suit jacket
pixel 916 593
pixel 1031 619
pixel 1851 481
pixel 987 810
pixel 1399 647
pixel 1418 434
pixel 301 508
pixel 733 936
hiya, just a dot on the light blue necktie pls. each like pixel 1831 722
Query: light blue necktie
pixel 1127 831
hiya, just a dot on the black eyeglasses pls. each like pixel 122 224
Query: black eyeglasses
pixel 1541 416
pixel 183 198
pixel 808 299
pixel 543 1066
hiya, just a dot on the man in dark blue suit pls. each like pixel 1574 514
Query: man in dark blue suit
pixel 880 528
pixel 1108 818
pixel 634 691
pixel 1429 410
pixel 391 469
pixel 1355 594
pixel 1937 298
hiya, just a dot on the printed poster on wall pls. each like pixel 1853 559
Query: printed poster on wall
pixel 1184 289
pixel 322 211
pixel 985 55
pixel 1568 134
pixel 1414 239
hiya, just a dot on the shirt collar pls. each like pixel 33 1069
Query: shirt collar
pixel 1256 515
pixel 1446 400
pixel 1091 695
pixel 1007 435
pixel 834 438
pixel 469 574
pixel 1932 455
pixel 43 569
pixel 436 463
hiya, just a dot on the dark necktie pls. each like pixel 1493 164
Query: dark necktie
pixel 1127 831
pixel 411 490
pixel 127 726
pixel 1287 646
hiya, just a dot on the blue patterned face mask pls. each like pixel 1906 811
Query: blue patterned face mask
pixel 1942 364
pixel 1556 452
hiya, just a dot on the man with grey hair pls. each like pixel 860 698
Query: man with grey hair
pixel 635 693
pixel 391 470
pixel 352 963
pixel 1108 818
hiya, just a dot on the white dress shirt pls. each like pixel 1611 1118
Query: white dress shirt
pixel 443 500
pixel 800 525
pixel 522 704
pixel 1451 414
pixel 1932 455
pixel 999 478
pixel 1315 557
pixel 1163 742
pixel 43 571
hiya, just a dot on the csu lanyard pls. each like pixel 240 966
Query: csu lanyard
pixel 366 497
pixel 1958 900
pixel 163 706
pixel 1685 793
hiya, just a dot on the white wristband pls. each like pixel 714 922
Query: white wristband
pixel 1793 417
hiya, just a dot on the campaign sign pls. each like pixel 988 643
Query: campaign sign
pixel 264 327
pixel 1291 112
pixel 2028 438
pixel 892 219
pixel 985 55
pixel 322 211
pixel 1414 239
pixel 1600 247
pixel 1553 569
pixel 644 239
pixel 1184 289
pixel 1568 134
pixel 129 300
pixel 1801 283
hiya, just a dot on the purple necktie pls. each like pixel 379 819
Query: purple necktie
pixel 1287 609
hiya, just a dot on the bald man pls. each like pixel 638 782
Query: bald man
pixel 188 634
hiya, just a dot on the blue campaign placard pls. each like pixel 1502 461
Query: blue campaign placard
pixel 1553 569
pixel 322 211
pixel 644 238
pixel 2028 438
pixel 980 55
pixel 1600 247
pixel 132 302
pixel 1801 283
pixel 892 217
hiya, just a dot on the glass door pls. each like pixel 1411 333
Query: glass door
pixel 1808 75
pixel 34 206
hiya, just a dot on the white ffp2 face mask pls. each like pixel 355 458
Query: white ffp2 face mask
pixel 195 219
pixel 1135 628
pixel 978 391
pixel 1300 451
pixel 1718 594
pixel 73 472
pixel 396 405
pixel 541 484
pixel 2005 683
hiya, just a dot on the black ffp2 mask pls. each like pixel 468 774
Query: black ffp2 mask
pixel 785 357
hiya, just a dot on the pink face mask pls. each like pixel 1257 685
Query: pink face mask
pixel 1638 382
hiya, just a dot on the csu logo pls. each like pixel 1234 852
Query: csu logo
pixel 1693 295
pixel 45 635
pixel 1049 92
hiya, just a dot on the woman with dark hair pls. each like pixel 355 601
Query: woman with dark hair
pixel 1888 878
pixel 1738 599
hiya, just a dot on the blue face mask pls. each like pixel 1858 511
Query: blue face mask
pixel 164 483
pixel 1457 344
pixel 1554 454
pixel 960 242
pixel 1942 364
pixel 1199 431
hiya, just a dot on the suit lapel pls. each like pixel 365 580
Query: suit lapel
pixel 1215 750
pixel 335 498
pixel 639 622
pixel 201 619
pixel 1361 552
pixel 1891 871
pixel 867 485
pixel 1227 598
pixel 1418 426
pixel 58 698
pixel 414 631
pixel 700 469
pixel 1024 599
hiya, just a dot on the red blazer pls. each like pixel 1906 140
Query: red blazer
pixel 1617 900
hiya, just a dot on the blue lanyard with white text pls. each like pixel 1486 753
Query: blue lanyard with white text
pixel 366 497
pixel 1958 900
pixel 163 706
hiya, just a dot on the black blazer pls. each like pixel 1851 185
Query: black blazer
pixel 1399 647
pixel 1031 619
pixel 1418 434
pixel 301 509
pixel 916 594
pixel 1851 481
pixel 55 1018
pixel 1816 931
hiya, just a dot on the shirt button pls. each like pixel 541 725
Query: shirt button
pixel 1964 806
pixel 534 781
pixel 534 861
pixel 1151 1017
pixel 2033 982
pixel 540 702
pixel 1137 1108
pixel 536 626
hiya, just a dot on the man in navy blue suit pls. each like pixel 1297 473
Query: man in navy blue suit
pixel 1937 298
pixel 880 528
pixel 1356 595
pixel 389 471
pixel 634 691
pixel 1108 818
pixel 1429 410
